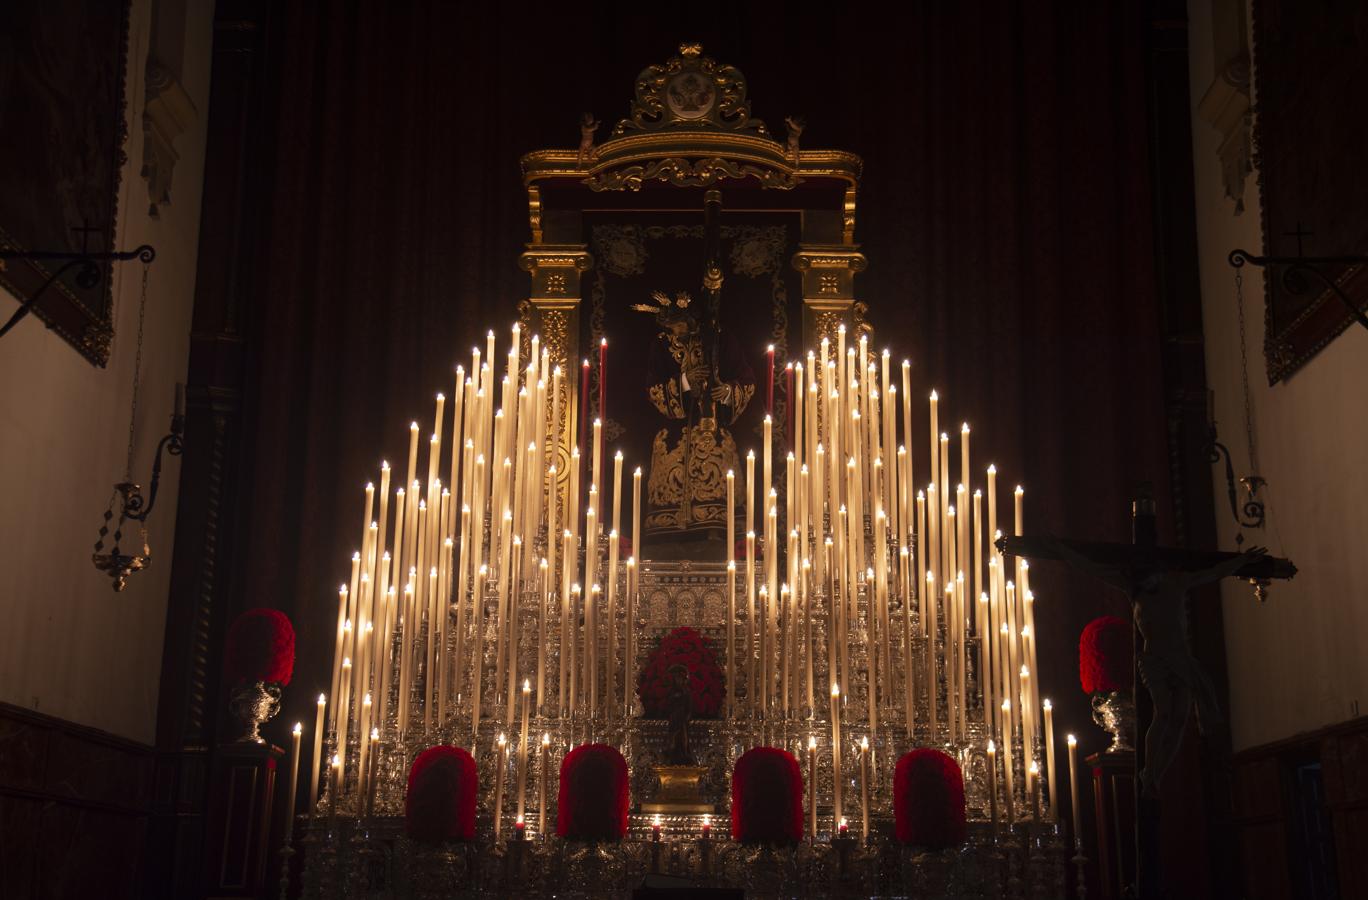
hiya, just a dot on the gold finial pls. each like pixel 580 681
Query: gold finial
pixel 690 51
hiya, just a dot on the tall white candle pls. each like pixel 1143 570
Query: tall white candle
pixel 295 736
pixel 1073 790
pixel 1050 758
pixel 317 752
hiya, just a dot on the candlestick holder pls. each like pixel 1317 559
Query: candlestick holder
pixel 1080 863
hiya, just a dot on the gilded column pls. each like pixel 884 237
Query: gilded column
pixel 829 290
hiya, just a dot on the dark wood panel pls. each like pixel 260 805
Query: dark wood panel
pixel 74 804
pixel 18 844
pixel 1257 790
pixel 1263 853
pixel 23 747
pixel 1351 840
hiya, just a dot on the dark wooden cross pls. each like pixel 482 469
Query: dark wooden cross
pixel 1156 580
pixel 1298 233
pixel 85 231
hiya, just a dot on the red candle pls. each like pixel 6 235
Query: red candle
pixel 769 382
pixel 655 829
pixel 520 830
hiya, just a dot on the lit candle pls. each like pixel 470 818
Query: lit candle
pixel 294 779
pixel 317 752
pixel 1050 757
pixel 583 405
pixel 864 788
pixel 843 828
pixel 1073 789
pixel 501 764
pixel 522 749
pixel 731 636
pixel 1032 779
pixel 541 783
pixel 707 827
pixel 992 785
pixel 1009 785
pixel 812 786
pixel 836 752
pixel 769 381
pixel 370 776
pixel 520 829
pixel 636 513
pixel 603 380
pixel 655 829
pixel 335 788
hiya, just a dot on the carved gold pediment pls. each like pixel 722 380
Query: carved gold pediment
pixel 690 126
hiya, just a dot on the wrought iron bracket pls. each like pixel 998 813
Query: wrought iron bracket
pixel 88 273
pixel 137 507
pixel 1294 270
pixel 1251 514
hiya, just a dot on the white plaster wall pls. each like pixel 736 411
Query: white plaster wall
pixel 1296 662
pixel 69 645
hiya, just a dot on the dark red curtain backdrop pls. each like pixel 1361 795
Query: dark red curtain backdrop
pixel 1005 211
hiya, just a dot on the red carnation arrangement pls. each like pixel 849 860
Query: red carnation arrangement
pixel 682 647
pixel 260 647
pixel 1106 656
pixel 767 797
pixel 442 787
pixel 593 798
pixel 928 800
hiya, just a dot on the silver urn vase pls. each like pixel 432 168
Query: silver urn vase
pixel 1114 713
pixel 254 704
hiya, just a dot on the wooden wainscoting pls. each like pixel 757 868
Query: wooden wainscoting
pixel 74 804
pixel 1301 814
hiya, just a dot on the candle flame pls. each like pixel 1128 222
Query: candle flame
pixel 864 744
pixel 322 699
pixel 835 689
pixel 1073 741
pixel 1046 705
pixel 527 685
pixel 992 748
pixel 298 729
pixel 812 743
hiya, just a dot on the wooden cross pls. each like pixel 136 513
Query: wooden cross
pixel 85 231
pixel 1298 232
pixel 1156 580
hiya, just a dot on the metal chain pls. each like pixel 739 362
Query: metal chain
pixel 137 375
pixel 1244 375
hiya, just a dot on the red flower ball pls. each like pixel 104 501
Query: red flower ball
pixel 684 647
pixel 928 800
pixel 593 794
pixel 260 647
pixel 767 797
pixel 442 788
pixel 1106 656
